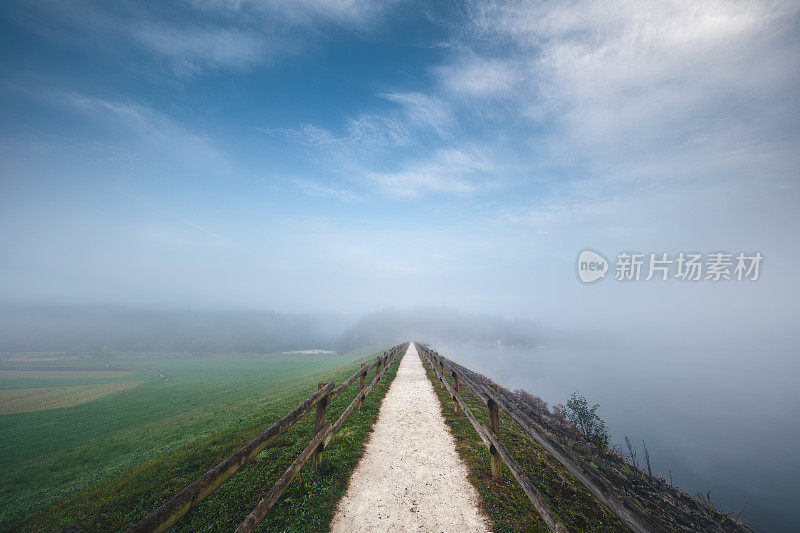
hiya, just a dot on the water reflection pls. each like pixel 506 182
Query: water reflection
pixel 726 421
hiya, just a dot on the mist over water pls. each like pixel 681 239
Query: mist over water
pixel 725 421
pixel 718 417
pixel 259 177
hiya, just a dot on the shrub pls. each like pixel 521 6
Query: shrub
pixel 534 402
pixel 585 417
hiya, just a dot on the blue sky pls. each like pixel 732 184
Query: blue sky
pixel 344 156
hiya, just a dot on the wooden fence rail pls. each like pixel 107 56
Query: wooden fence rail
pixel 627 509
pixel 321 439
pixel 489 436
pixel 168 513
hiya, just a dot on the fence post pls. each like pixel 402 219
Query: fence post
pixel 361 380
pixel 494 420
pixel 319 421
pixel 441 370
pixel 455 383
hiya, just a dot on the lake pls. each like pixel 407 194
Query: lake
pixel 723 421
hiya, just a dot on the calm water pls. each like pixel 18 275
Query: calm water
pixel 725 422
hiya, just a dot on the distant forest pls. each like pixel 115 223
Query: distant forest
pixel 104 329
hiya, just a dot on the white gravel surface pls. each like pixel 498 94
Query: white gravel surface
pixel 410 478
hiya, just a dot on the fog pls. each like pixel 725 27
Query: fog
pixel 219 177
pixel 108 329
pixel 721 421
pixel 719 415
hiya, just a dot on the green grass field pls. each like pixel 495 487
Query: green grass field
pixel 24 400
pixel 105 463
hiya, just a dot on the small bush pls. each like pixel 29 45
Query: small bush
pixel 585 417
pixel 534 402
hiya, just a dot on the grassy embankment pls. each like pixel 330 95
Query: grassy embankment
pixel 505 503
pixel 102 465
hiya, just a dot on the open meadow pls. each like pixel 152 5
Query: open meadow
pixel 99 441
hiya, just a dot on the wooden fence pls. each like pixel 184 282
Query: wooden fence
pixel 626 508
pixel 168 513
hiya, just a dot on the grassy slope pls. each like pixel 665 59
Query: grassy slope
pixel 104 464
pixel 506 504
pixel 14 401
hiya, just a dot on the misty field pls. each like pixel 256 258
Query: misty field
pixel 29 399
pixel 106 459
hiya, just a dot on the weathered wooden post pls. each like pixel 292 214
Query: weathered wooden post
pixel 441 373
pixel 455 386
pixel 494 421
pixel 319 422
pixel 361 379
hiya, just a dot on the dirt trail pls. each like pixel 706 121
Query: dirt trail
pixel 410 478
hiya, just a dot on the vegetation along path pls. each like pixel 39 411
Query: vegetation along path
pixel 410 477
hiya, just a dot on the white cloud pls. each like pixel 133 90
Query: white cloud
pixel 480 77
pixel 196 35
pixel 415 118
pixel 357 13
pixel 633 84
pixel 624 95
pixel 377 130
pixel 325 190
pixel 447 171
pixel 250 32
pixel 416 130
pixel 310 135
pixel 192 49
pixel 422 111
pixel 135 126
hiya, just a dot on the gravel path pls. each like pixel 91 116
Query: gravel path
pixel 410 478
